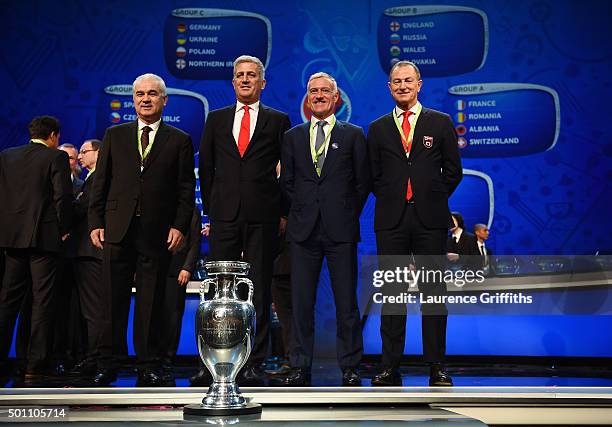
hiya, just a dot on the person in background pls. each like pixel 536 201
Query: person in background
pixel 86 260
pixel 460 242
pixel 75 170
pixel 35 219
pixel 182 266
pixel 486 261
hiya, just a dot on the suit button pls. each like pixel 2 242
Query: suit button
pixel 409 163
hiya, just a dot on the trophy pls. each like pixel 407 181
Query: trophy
pixel 225 329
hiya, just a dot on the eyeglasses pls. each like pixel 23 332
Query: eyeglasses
pixel 85 151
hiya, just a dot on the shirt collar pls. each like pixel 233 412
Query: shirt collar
pixel 254 106
pixel 89 173
pixel 153 126
pixel 416 109
pixel 330 119
pixel 39 141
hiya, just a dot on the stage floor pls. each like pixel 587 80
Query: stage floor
pixel 323 406
pixel 483 395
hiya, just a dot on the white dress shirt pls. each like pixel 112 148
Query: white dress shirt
pixel 253 112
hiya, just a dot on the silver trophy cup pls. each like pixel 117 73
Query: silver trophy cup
pixel 225 328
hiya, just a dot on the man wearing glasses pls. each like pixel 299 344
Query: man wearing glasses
pixel 87 260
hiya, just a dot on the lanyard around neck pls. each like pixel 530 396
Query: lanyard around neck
pixel 139 138
pixel 317 153
pixel 406 139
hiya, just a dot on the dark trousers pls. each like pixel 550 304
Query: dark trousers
pixel 67 345
pixel 88 278
pixel 411 237
pixel 122 263
pixel 27 268
pixel 257 243
pixel 281 296
pixel 173 309
pixel 306 260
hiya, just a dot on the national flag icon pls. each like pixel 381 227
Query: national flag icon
pixel 394 26
pixel 395 38
pixel 181 63
pixel 461 130
pixel 462 142
pixel 395 51
pixel 181 39
pixel 460 117
pixel 181 51
pixel 115 117
pixel 394 61
pixel 181 28
pixel 115 104
pixel 460 104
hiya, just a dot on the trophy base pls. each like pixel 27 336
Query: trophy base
pixel 201 410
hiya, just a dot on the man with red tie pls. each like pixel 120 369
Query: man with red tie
pixel 415 167
pixel 240 150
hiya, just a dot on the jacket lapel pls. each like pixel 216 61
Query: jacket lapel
pixel 419 133
pixel 304 146
pixel 394 136
pixel 158 144
pixel 262 121
pixel 132 147
pixel 334 147
pixel 228 131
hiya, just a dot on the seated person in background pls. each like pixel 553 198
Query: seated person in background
pixel 482 234
pixel 460 241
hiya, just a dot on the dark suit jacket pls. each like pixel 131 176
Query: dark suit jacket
pixel 187 255
pixel 338 195
pixel 229 182
pixel 466 245
pixel 434 171
pixel 35 197
pixel 79 244
pixel 77 184
pixel 164 190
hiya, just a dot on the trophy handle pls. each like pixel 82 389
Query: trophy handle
pixel 205 287
pixel 246 281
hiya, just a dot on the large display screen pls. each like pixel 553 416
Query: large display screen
pixel 527 85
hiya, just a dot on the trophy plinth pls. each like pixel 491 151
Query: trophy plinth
pixel 225 328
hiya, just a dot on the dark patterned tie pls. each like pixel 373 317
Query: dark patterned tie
pixel 144 138
pixel 319 141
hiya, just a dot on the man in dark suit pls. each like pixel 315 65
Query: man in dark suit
pixel 239 152
pixel 75 170
pixel 483 253
pixel 67 343
pixel 415 167
pixel 35 195
pixel 182 266
pixel 86 260
pixel 325 177
pixel 140 209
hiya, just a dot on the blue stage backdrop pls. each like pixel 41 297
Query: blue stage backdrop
pixel 526 83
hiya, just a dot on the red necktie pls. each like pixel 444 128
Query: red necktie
pixel 245 131
pixel 407 146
